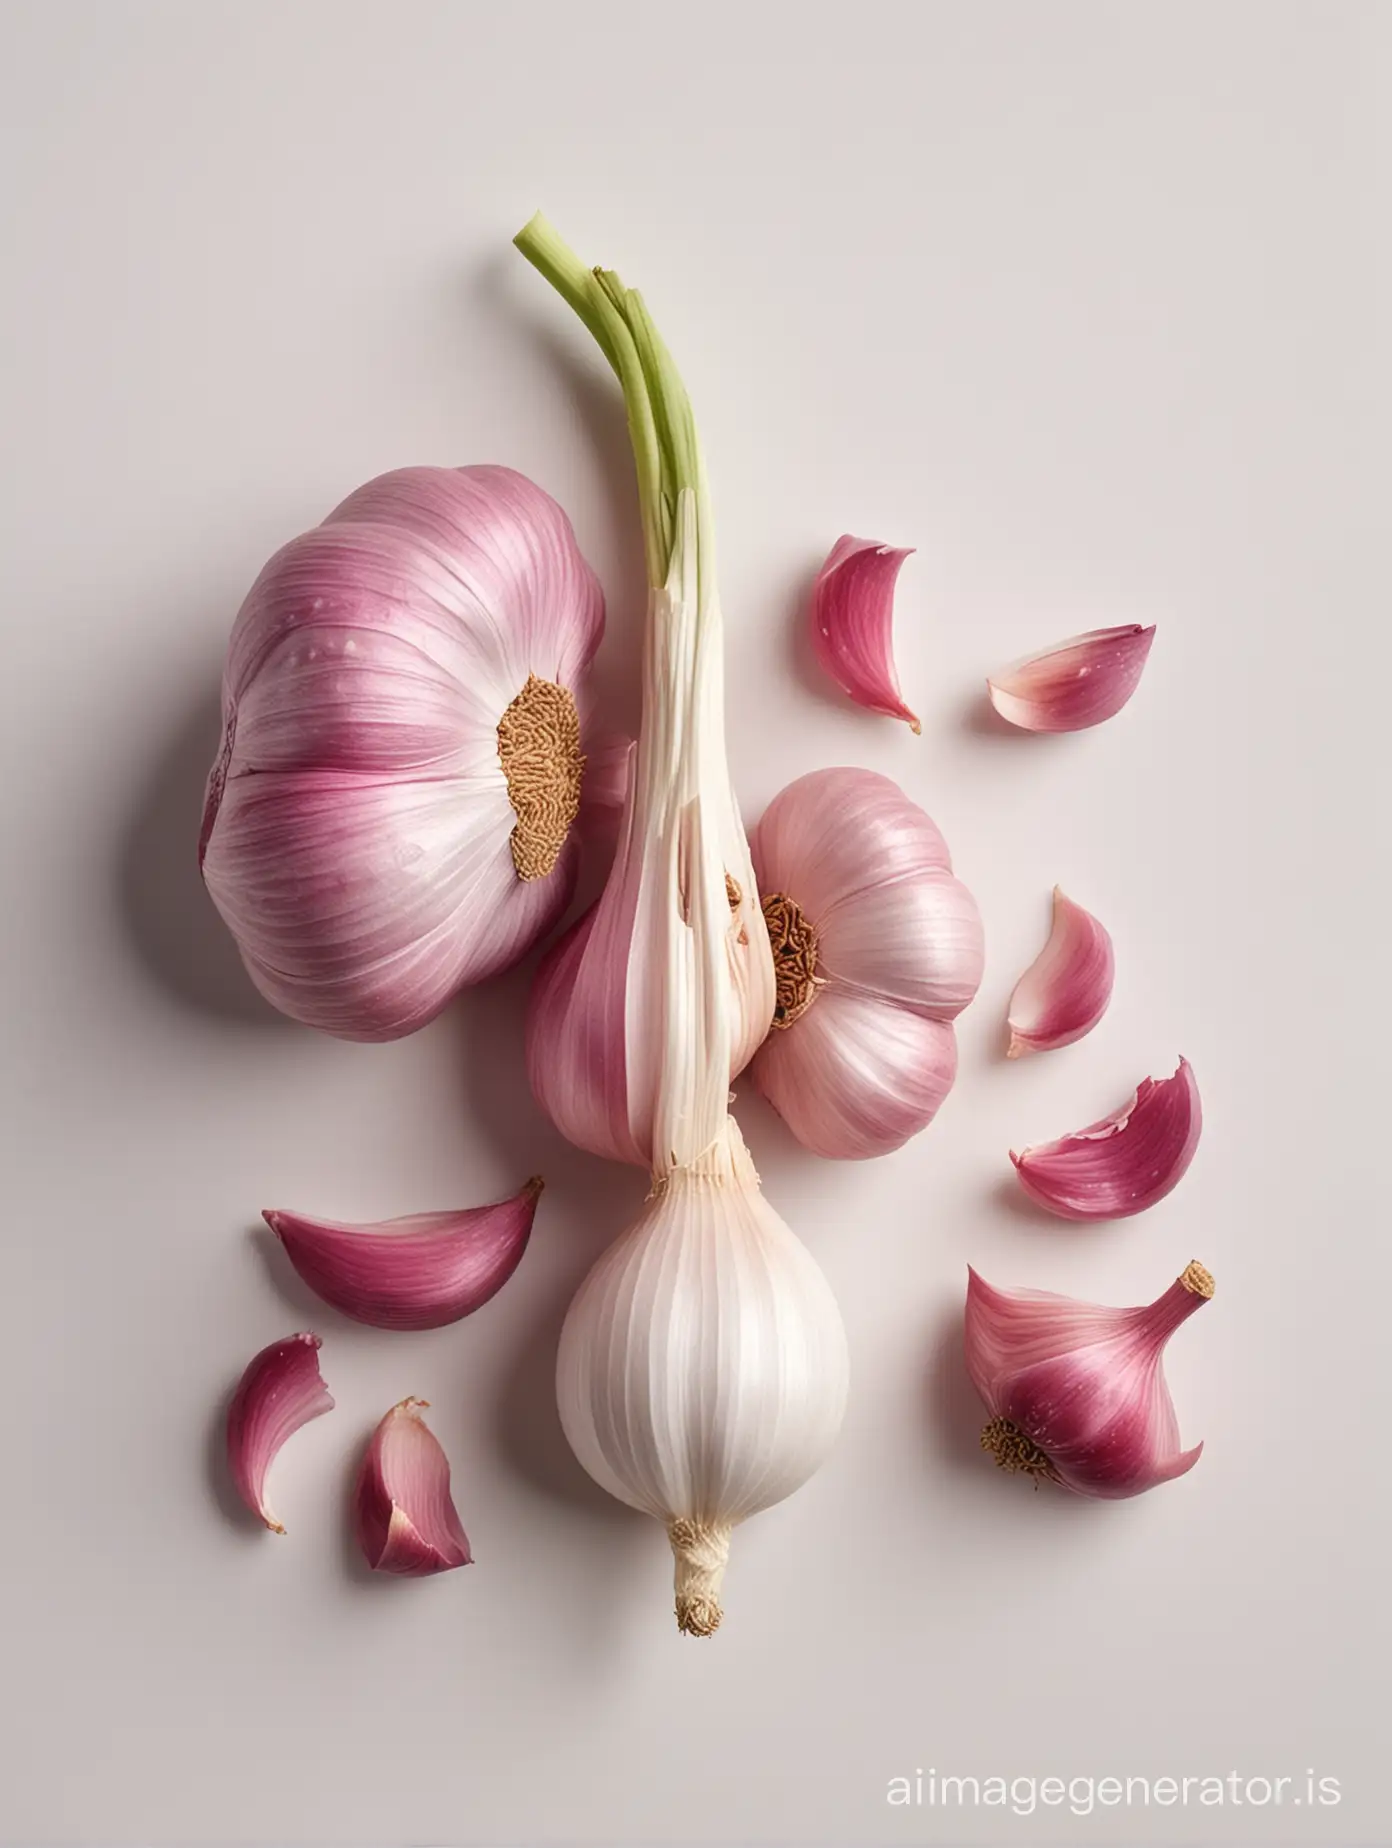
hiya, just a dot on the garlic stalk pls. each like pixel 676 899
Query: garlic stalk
pixel 702 1367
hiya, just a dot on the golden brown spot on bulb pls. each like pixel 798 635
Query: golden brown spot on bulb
pixel 794 944
pixel 539 749
pixel 1194 1277
pixel 732 891
pixel 1014 1452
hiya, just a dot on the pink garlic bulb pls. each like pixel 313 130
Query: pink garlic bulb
pixel 877 949
pixel 1076 1391
pixel 390 816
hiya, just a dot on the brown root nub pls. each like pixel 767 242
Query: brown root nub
pixel 1014 1452
pixel 539 749
pixel 794 945
pixel 700 1552
pixel 698 1616
pixel 1194 1277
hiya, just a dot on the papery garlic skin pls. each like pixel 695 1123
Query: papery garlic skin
pixel 1075 684
pixel 404 1516
pixel 280 1390
pixel 1065 991
pixel 422 1271
pixel 703 1371
pixel 1124 1163
pixel 363 837
pixel 1077 1391
pixel 861 1059
pixel 853 623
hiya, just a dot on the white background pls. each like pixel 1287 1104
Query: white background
pixel 1081 300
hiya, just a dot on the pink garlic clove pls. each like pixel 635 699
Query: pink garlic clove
pixel 280 1390
pixel 1077 1391
pixel 423 1271
pixel 853 621
pixel 405 1519
pixel 1078 683
pixel 1064 992
pixel 1124 1163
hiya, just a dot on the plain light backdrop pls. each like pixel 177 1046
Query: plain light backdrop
pixel 1088 303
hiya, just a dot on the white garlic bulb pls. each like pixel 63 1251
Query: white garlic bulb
pixel 702 1372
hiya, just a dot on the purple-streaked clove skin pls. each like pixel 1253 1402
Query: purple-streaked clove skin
pixel 1075 684
pixel 1124 1163
pixel 853 623
pixel 281 1390
pixel 1076 1391
pixel 405 1519
pixel 1064 992
pixel 422 1271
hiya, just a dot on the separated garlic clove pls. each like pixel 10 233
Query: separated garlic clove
pixel 877 949
pixel 1124 1163
pixel 405 1519
pixel 1064 992
pixel 1076 1391
pixel 390 817
pixel 853 623
pixel 1075 684
pixel 702 1372
pixel 422 1271
pixel 280 1390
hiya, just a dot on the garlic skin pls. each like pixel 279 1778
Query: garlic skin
pixel 1126 1162
pixel 280 1390
pixel 1074 684
pixel 403 1514
pixel 1065 991
pixel 422 1271
pixel 853 623
pixel 702 1372
pixel 878 948
pixel 390 816
pixel 1077 1391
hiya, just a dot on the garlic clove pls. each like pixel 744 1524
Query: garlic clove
pixel 1075 684
pixel 280 1390
pixel 1124 1163
pixel 1064 992
pixel 1076 1390
pixel 855 1076
pixel 422 1271
pixel 405 1519
pixel 853 622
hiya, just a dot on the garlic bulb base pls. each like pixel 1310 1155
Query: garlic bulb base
pixel 701 1552
pixel 1014 1452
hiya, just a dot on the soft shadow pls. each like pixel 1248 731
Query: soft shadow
pixel 587 1203
pixel 217 1473
pixel 807 670
pixel 1011 1198
pixel 954 1408
pixel 165 911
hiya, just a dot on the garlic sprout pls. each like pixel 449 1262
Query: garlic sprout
pixel 702 1367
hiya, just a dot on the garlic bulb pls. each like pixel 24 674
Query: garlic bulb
pixel 702 1371
pixel 390 816
pixel 702 1367
pixel 1077 1391
pixel 877 949
pixel 853 623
